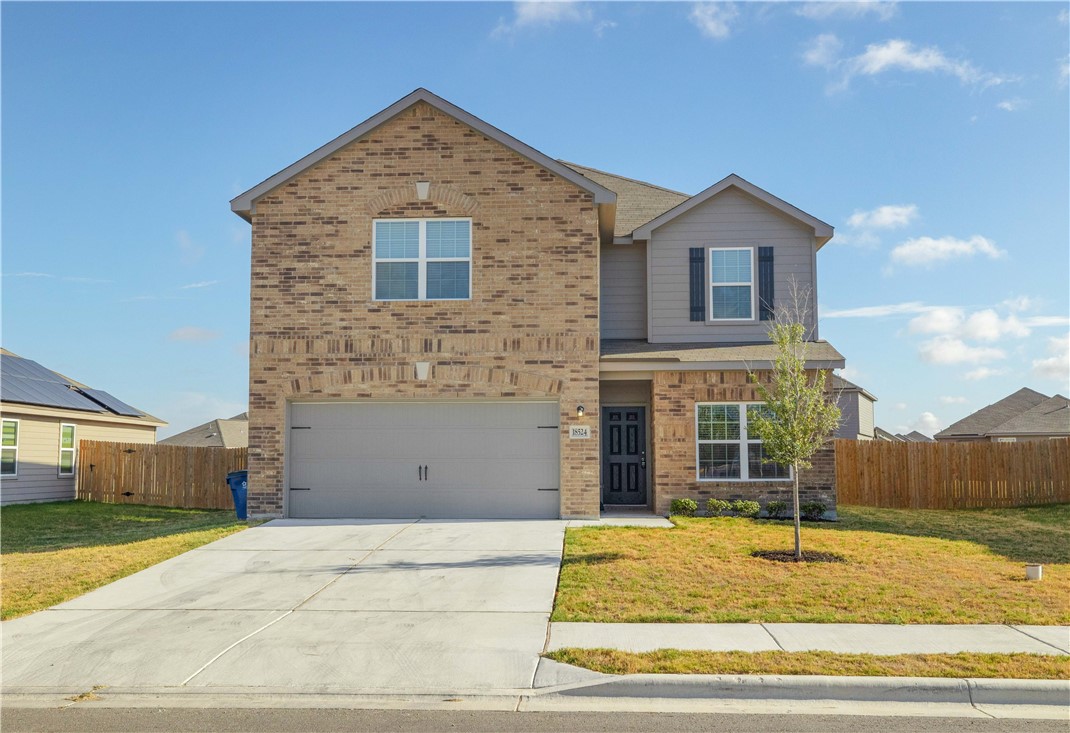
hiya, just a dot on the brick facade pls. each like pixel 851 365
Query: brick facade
pixel 530 329
pixel 673 398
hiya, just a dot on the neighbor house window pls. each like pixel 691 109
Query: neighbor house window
pixel 66 449
pixel 724 448
pixel 422 259
pixel 731 284
pixel 9 450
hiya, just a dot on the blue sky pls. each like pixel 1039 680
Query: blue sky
pixel 934 137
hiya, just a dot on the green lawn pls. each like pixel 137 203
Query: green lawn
pixel 675 661
pixel 902 566
pixel 54 552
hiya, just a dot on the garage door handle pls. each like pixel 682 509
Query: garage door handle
pixel 425 473
pixel 420 472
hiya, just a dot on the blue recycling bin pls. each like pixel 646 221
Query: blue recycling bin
pixel 238 481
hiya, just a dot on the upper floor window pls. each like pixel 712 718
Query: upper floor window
pixel 422 259
pixel 725 448
pixel 66 449
pixel 9 451
pixel 731 284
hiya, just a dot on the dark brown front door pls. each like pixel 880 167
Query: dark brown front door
pixel 624 455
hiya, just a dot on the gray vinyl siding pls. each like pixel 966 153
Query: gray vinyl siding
pixel 865 417
pixel 38 461
pixel 848 404
pixel 623 291
pixel 730 219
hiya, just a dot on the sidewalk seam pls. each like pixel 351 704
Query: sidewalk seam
pixel 1045 643
pixel 773 637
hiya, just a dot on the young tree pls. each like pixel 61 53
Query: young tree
pixel 800 414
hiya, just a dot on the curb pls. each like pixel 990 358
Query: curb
pixel 812 688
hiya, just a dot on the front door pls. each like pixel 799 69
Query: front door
pixel 624 455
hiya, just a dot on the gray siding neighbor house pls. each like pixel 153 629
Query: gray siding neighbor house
pixel 856 410
pixel 222 433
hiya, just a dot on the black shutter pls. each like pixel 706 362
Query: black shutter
pixel 698 283
pixel 765 283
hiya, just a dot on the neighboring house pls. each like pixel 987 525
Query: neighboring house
pixel 45 415
pixel 914 437
pixel 880 433
pixel 446 322
pixel 856 410
pixel 1024 415
pixel 222 433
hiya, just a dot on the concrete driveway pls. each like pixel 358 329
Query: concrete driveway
pixel 306 605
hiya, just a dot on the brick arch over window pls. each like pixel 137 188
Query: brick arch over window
pixel 445 380
pixel 451 198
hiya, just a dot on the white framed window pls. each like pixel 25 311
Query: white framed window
pixel 422 259
pixel 9 448
pixel 724 450
pixel 67 448
pixel 732 291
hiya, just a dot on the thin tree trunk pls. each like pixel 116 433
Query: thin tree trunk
pixel 795 501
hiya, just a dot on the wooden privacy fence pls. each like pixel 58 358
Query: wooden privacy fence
pixel 162 475
pixel 952 475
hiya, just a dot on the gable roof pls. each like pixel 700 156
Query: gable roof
pixel 1052 416
pixel 244 204
pixel 637 201
pixel 220 433
pixel 842 385
pixel 880 433
pixel 25 382
pixel 914 437
pixel 822 231
pixel 984 420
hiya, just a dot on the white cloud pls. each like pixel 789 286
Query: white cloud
pixel 1063 16
pixel 926 423
pixel 900 405
pixel 201 284
pixel 983 373
pixel 892 216
pixel 1044 321
pixel 851 374
pixel 947 400
pixel 1011 105
pixel 532 15
pixel 895 55
pixel 1056 366
pixel 927 251
pixel 987 325
pixel 950 350
pixel 1064 71
pixel 602 26
pixel 192 333
pixel 714 19
pixel 848 10
pixel 29 274
pixel 879 311
pixel 189 251
pixel 1019 303
pixel 940 319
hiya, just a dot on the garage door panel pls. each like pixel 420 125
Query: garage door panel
pixel 495 459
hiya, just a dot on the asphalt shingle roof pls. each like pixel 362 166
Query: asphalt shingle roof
pixel 638 350
pixel 637 202
pixel 232 433
pixel 1052 416
pixel 984 420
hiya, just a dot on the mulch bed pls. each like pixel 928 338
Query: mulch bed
pixel 789 556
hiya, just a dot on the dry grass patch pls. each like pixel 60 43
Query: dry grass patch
pixel 55 552
pixel 950 567
pixel 675 661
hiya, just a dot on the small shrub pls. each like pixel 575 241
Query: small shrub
pixel 683 507
pixel 776 509
pixel 747 509
pixel 717 508
pixel 812 510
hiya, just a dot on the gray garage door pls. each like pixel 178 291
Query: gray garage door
pixel 424 459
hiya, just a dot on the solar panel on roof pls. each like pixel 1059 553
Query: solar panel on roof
pixel 16 366
pixel 112 403
pixel 39 392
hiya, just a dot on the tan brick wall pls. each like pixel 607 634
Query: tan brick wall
pixel 529 331
pixel 673 396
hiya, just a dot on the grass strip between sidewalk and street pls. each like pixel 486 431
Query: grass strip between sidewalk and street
pixel 676 661
pixel 54 552
pixel 901 567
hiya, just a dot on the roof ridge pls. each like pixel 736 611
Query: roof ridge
pixel 623 178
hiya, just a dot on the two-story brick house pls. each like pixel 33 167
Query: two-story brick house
pixel 446 322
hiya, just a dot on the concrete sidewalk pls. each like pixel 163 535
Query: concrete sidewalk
pixel 841 638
